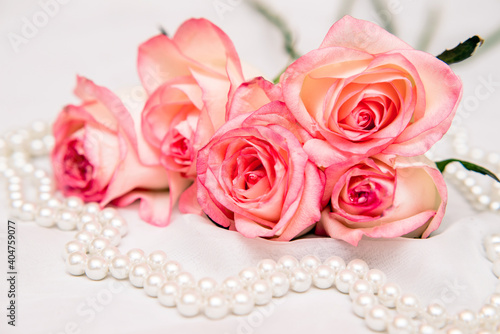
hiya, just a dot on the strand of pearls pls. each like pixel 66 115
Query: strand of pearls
pixel 483 197
pixel 93 251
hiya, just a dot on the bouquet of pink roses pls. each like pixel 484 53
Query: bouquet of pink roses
pixel 335 145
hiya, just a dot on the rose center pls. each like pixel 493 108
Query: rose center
pixel 363 194
pixel 75 163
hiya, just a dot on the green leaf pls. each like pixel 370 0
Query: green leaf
pixel 462 51
pixel 441 165
pixel 163 31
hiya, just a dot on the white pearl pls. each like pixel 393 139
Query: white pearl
pixel 119 223
pixel 358 287
pixel 262 292
pixel 15 179
pixel 37 147
pixel 435 314
pixel 336 263
pixel 287 263
pixel 92 227
pixel 300 280
pixel 400 325
pixel 97 267
pixel 106 215
pixel 49 142
pixel 54 203
pixel 388 294
pixel 171 269
pixel 152 284
pixel 493 158
pixel 15 208
pixel 156 259
pixel 189 303
pixel 15 188
pixel 138 273
pixel 66 220
pixel 231 285
pixel 492 239
pixel 185 280
pixel 476 190
pixel 92 208
pixel 426 329
pixel 207 286
pixel 8 173
pixel 112 234
pixel 408 305
pixel 45 216
pixel 242 302
pixel 39 129
pixel 323 277
pixel 28 170
pixel 28 211
pixel 98 244
pixel 46 189
pixel 476 154
pixel 280 284
pixel 266 267
pixel 44 197
pixel 488 315
pixel 168 294
pixel 376 277
pixel 39 174
pixel 109 253
pixel 248 276
pixel 84 237
pixel 74 203
pixel 493 251
pixel 494 300
pixel 75 263
pixel 496 267
pixel 363 303
pixel 15 195
pixel 120 267
pixel 216 306
pixel 377 318
pixel 88 218
pixel 466 319
pixel 310 263
pixel 344 279
pixel 359 267
pixel 71 247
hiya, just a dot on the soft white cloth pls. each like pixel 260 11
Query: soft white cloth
pixel 99 39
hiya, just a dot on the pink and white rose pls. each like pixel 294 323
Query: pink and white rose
pixel 383 197
pixel 95 156
pixel 365 92
pixel 190 78
pixel 255 178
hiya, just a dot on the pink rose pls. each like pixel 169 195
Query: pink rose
pixel 365 92
pixel 255 178
pixel 95 155
pixel 383 197
pixel 190 78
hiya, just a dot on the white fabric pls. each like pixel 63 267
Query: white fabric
pixel 99 39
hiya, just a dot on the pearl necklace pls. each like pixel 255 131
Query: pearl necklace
pixel 93 252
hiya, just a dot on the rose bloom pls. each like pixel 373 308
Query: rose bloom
pixel 95 156
pixel 383 197
pixel 364 92
pixel 255 178
pixel 190 78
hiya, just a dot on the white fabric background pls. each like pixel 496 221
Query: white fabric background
pixel 99 40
